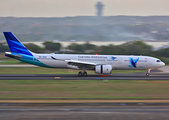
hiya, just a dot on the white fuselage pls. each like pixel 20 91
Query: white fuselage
pixel 116 61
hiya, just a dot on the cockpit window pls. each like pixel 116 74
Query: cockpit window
pixel 158 61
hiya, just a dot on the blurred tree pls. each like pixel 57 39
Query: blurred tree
pixel 86 47
pixel 129 48
pixel 76 47
pixel 89 47
pixel 34 48
pixel 51 46
pixel 162 52
pixel 136 48
pixel 111 50
pixel 3 47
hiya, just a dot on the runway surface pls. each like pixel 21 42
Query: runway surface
pixel 120 76
pixel 84 113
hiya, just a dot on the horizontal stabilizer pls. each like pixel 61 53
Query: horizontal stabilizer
pixel 9 54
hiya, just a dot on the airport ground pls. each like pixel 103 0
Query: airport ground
pixel 41 94
pixel 45 84
pixel 84 113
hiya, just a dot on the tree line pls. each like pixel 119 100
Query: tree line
pixel 129 48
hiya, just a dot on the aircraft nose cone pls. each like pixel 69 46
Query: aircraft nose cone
pixel 163 64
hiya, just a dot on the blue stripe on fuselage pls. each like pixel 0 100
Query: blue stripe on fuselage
pixel 32 60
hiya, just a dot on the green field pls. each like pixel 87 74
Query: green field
pixel 83 89
pixel 6 60
pixel 11 62
pixel 78 89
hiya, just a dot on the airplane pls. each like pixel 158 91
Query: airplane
pixel 101 64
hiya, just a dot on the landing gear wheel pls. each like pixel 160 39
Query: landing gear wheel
pixel 80 73
pixel 147 74
pixel 85 74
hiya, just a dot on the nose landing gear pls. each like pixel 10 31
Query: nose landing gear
pixel 82 73
pixel 148 72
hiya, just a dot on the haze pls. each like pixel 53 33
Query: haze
pixel 63 8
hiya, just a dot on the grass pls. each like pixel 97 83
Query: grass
pixel 10 62
pixel 82 89
pixel 74 89
pixel 5 60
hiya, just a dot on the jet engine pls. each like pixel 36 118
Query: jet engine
pixel 103 69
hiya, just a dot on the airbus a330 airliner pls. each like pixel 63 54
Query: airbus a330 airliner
pixel 101 64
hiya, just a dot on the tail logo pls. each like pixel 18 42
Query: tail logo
pixel 133 62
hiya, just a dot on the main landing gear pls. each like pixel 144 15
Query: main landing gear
pixel 82 73
pixel 148 72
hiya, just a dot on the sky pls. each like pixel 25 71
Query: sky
pixel 69 8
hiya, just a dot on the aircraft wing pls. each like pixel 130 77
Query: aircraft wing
pixel 78 63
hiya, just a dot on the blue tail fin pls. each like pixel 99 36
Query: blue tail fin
pixel 15 45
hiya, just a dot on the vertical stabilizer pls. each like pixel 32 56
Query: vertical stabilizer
pixel 15 45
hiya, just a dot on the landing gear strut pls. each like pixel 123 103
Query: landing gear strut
pixel 148 72
pixel 82 73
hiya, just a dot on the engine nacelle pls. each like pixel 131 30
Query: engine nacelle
pixel 103 69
